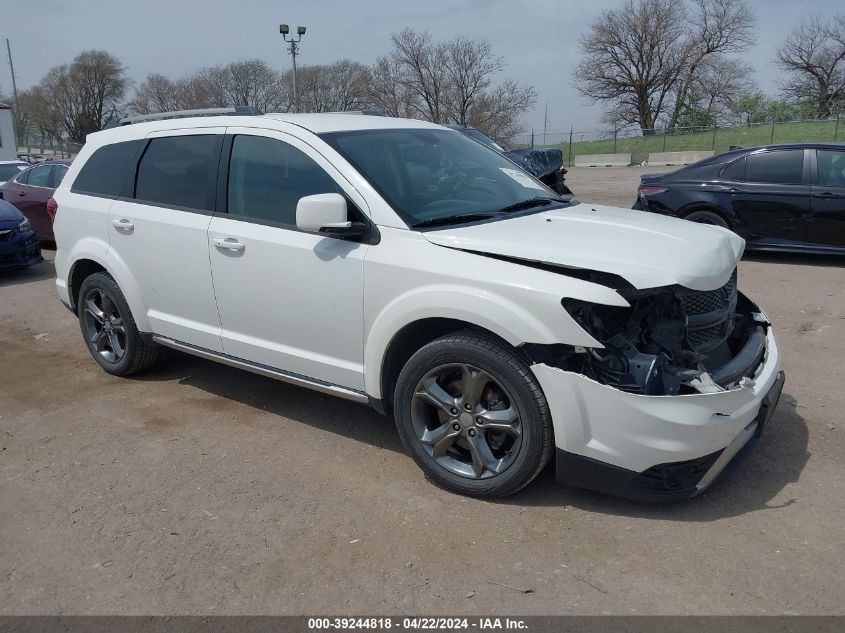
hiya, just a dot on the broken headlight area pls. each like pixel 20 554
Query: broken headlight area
pixel 670 340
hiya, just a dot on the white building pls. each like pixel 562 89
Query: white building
pixel 8 144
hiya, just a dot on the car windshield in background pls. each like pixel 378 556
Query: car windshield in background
pixel 440 177
pixel 7 172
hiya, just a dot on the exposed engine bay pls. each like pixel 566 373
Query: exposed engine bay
pixel 671 340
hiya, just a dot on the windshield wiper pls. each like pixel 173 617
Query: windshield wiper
pixel 452 219
pixel 527 204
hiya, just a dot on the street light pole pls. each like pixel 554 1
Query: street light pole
pixel 293 49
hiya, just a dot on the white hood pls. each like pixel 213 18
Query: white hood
pixel 646 249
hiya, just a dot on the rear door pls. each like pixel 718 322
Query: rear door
pixel 159 233
pixel 827 226
pixel 773 198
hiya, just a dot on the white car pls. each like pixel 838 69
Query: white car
pixel 11 168
pixel 401 264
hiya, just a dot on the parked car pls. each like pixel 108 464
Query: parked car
pixel 10 169
pixel 498 322
pixel 778 197
pixel 19 246
pixel 545 164
pixel 30 192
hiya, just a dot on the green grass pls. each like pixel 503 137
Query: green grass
pixel 640 147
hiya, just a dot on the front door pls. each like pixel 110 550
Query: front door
pixel 827 226
pixel 287 299
pixel 160 235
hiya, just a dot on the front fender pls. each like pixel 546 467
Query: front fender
pixel 493 312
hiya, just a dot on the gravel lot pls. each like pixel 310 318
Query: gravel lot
pixel 196 489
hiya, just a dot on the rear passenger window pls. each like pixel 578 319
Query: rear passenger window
pixel 267 178
pixel 783 167
pixel 177 171
pixel 105 172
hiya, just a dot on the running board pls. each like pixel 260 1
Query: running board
pixel 263 370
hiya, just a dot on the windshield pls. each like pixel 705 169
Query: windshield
pixel 7 172
pixel 435 176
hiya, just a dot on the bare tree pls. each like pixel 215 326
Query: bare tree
pixel 384 90
pixel 498 113
pixel 712 95
pixel 717 28
pixel 451 82
pixel 424 73
pixel 814 55
pixel 470 70
pixel 632 59
pixel 156 93
pixel 336 87
pixel 87 92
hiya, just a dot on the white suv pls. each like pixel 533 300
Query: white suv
pixel 401 264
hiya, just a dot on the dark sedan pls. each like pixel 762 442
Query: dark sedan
pixel 779 197
pixel 30 190
pixel 19 246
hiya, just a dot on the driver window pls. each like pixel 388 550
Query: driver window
pixel 267 177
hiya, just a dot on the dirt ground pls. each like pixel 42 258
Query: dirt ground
pixel 198 489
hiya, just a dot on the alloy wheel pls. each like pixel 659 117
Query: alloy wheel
pixel 104 327
pixel 466 421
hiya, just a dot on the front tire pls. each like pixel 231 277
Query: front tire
pixel 109 330
pixel 473 416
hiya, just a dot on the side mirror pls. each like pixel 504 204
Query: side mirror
pixel 326 213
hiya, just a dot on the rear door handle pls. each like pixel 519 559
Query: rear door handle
pixel 724 189
pixel 229 244
pixel 826 194
pixel 123 225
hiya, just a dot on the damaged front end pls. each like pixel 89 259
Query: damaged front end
pixel 671 340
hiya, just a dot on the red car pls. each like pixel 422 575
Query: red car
pixel 30 190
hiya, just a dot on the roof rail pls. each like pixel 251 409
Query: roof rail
pixel 178 114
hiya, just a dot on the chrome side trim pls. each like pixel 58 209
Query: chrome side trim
pixel 264 370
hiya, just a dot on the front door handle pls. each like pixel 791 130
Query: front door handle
pixel 229 244
pixel 828 195
pixel 123 225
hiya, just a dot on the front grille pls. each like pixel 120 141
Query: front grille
pixel 5 236
pixel 710 315
pixel 704 302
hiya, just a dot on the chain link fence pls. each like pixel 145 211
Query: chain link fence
pixel 717 139
pixel 48 148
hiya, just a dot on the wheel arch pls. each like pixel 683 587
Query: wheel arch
pixel 413 337
pixel 707 206
pixel 85 263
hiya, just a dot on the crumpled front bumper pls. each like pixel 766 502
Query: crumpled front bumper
pixel 655 448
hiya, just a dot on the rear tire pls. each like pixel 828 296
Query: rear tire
pixel 707 217
pixel 109 330
pixel 473 416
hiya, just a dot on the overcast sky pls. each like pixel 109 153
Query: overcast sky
pixel 538 38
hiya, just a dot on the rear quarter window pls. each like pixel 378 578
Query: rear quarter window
pixel 735 171
pixel 107 169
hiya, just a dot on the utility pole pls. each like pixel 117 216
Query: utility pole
pixel 293 49
pixel 14 85
pixel 545 122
